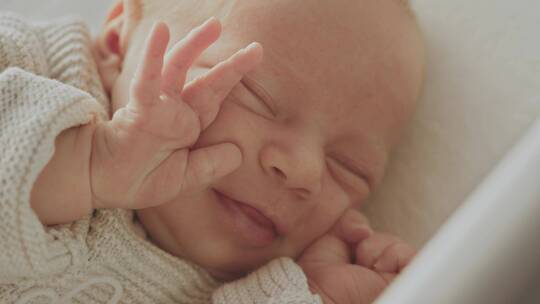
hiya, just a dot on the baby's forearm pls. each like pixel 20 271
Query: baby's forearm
pixel 62 192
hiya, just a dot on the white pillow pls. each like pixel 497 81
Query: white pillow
pixel 482 93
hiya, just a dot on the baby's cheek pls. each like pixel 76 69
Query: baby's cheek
pixel 230 125
pixel 330 207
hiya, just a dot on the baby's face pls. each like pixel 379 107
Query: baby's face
pixel 315 124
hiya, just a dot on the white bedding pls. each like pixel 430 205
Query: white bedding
pixel 481 94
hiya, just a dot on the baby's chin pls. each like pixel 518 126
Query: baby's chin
pixel 226 263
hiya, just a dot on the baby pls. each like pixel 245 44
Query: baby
pixel 173 167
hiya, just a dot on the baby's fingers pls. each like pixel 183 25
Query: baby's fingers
pixel 145 87
pixel 206 93
pixel 208 164
pixel 368 251
pixel 394 258
pixel 183 54
pixel 353 227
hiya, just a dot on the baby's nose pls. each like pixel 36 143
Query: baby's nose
pixel 298 168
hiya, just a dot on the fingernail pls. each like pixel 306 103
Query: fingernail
pixel 365 228
pixel 236 161
pixel 377 266
pixel 252 45
pixel 209 20
pixel 156 23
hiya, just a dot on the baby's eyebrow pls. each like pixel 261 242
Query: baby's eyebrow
pixel 256 89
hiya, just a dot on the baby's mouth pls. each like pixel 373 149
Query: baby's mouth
pixel 248 221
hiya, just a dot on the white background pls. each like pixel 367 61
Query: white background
pixel 92 11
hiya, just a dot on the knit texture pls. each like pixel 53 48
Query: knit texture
pixel 48 83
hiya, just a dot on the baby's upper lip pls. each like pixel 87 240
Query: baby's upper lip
pixel 277 224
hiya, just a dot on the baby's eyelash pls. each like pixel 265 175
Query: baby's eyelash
pixel 250 101
pixel 259 93
pixel 352 170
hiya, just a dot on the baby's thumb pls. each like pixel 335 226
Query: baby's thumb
pixel 208 164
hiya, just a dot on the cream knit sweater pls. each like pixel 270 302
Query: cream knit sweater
pixel 48 83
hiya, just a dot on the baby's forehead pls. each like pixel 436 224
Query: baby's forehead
pixel 342 56
pixel 341 34
pixel 316 17
pixel 346 46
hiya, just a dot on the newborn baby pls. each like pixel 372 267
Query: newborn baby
pixel 230 170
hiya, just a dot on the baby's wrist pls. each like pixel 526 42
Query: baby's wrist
pixel 85 138
pixel 94 178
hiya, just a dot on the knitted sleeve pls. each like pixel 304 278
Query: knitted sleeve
pixel 281 281
pixel 33 111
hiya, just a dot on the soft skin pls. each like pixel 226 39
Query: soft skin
pixel 338 81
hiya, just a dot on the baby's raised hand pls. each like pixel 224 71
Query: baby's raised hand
pixel 352 264
pixel 142 157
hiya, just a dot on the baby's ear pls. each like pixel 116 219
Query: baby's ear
pixel 112 41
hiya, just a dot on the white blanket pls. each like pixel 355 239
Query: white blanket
pixel 481 94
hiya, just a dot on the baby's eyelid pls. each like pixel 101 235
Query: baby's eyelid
pixel 355 171
pixel 253 104
pixel 259 93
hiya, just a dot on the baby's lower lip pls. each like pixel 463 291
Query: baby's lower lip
pixel 243 219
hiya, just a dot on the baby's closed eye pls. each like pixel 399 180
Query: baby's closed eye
pixel 349 176
pixel 251 97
